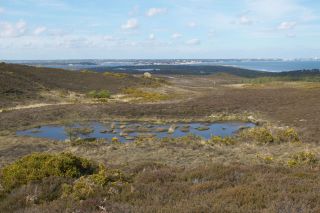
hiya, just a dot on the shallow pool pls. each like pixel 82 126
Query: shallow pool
pixel 128 131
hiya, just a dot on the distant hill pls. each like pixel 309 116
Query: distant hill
pixel 208 70
pixel 182 70
pixel 20 83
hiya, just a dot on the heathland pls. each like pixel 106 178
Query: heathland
pixel 273 167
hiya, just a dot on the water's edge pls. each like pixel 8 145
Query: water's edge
pixel 128 131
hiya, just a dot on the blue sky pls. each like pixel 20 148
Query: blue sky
pixel 80 29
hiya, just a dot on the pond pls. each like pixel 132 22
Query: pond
pixel 128 131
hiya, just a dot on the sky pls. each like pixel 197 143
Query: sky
pixel 159 29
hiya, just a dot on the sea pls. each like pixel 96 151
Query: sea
pixel 270 65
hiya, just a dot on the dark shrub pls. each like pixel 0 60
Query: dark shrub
pixel 102 94
pixel 40 165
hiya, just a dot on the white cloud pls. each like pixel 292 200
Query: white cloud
pixel 192 24
pixel 287 25
pixel 271 8
pixel 13 29
pixel 130 24
pixel 275 9
pixel 2 10
pixel 152 36
pixel 244 20
pixel 156 11
pixel 176 35
pixel 39 30
pixel 193 41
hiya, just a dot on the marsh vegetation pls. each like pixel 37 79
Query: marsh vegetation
pixel 271 167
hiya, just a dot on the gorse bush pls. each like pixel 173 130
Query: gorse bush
pixel 222 141
pixel 288 135
pixel 87 186
pixel 302 158
pixel 264 135
pixel 259 134
pixel 48 178
pixel 102 94
pixel 40 165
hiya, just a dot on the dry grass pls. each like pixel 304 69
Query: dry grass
pixel 160 188
pixel 115 75
pixel 282 84
pixel 192 151
pixel 145 96
pixel 185 174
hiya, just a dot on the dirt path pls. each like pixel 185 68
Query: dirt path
pixel 32 106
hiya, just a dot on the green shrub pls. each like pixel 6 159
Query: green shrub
pixel 81 189
pixel 144 95
pixel 264 135
pixel 302 158
pixel 115 75
pixel 220 140
pixel 102 94
pixel 288 135
pixel 190 139
pixel 40 165
pixel 86 186
pixel 260 135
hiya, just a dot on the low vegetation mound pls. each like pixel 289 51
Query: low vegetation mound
pixel 41 179
pixel 100 94
pixel 144 95
pixel 302 158
pixel 115 75
pixel 264 135
pixel 40 165
pixel 107 182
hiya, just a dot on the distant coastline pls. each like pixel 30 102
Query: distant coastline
pixel 268 65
